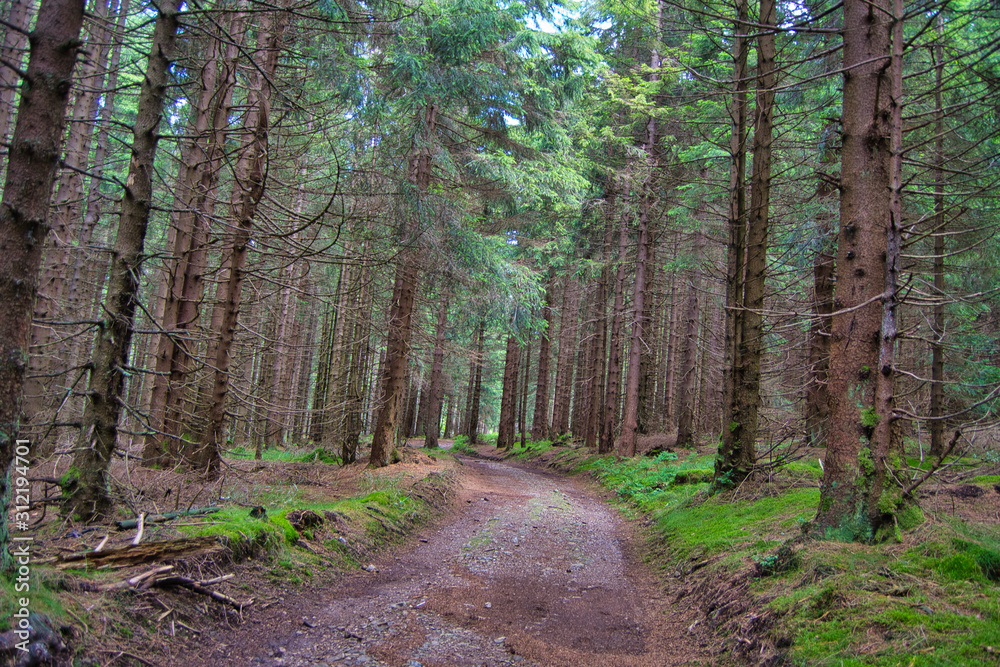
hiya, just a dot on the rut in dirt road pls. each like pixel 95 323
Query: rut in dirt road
pixel 533 569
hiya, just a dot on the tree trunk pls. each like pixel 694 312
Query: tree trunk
pixel 401 311
pixel 689 357
pixel 86 495
pixel 184 282
pixel 24 209
pixel 857 500
pixel 613 387
pixel 937 407
pixel 12 53
pixel 50 342
pixel 564 366
pixel 729 447
pixel 738 452
pixel 508 399
pixel 523 410
pixel 540 420
pixel 248 189
pixel 433 425
pixel 477 384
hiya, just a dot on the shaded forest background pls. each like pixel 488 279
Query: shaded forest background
pixel 343 225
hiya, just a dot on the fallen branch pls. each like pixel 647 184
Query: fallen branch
pixel 192 585
pixel 166 516
pixel 142 527
pixel 138 554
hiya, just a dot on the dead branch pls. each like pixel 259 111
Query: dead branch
pixel 951 445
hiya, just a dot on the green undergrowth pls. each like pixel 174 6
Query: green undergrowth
pixel 932 598
pixel 291 454
pixel 350 529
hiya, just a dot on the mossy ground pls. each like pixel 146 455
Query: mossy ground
pixel 931 598
pixel 364 512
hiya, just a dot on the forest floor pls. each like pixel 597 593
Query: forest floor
pixel 477 556
pixel 529 568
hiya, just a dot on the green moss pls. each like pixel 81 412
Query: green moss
pixel 733 426
pixel 987 559
pixel 865 461
pixel 909 516
pixel 959 567
pixel 870 418
pixel 986 479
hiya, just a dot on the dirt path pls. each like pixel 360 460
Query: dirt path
pixel 533 569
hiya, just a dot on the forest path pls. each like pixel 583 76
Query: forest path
pixel 531 569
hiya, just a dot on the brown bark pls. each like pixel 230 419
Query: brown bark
pixel 857 501
pixel 523 410
pixel 609 417
pixel 248 188
pixel 86 495
pixel 357 369
pixel 937 407
pixel 472 425
pixel 597 356
pixel 580 380
pixel 738 452
pixel 436 391
pixel 689 357
pixel 401 310
pixel 564 365
pixel 735 262
pixel 80 295
pixel 649 354
pixel 183 286
pixel 50 346
pixel 540 419
pixel 24 209
pixel 508 399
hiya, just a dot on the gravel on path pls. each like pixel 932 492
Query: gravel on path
pixel 532 569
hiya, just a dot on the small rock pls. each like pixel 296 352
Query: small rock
pixel 370 568
pixel 488 605
pixel 499 640
pixel 278 652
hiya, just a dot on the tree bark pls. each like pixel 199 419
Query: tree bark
pixel 479 360
pixel 738 452
pixel 736 256
pixel 401 310
pixel 564 366
pixel 508 399
pixel 51 344
pixel 937 407
pixel 857 501
pixel 248 189
pixel 12 51
pixel 433 425
pixel 183 287
pixel 540 419
pixel 613 388
pixel 689 357
pixel 86 494
pixel 24 210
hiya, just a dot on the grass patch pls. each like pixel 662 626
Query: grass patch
pixel 291 454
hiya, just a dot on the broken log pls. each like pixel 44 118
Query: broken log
pixel 140 553
pixel 197 587
pixel 167 516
